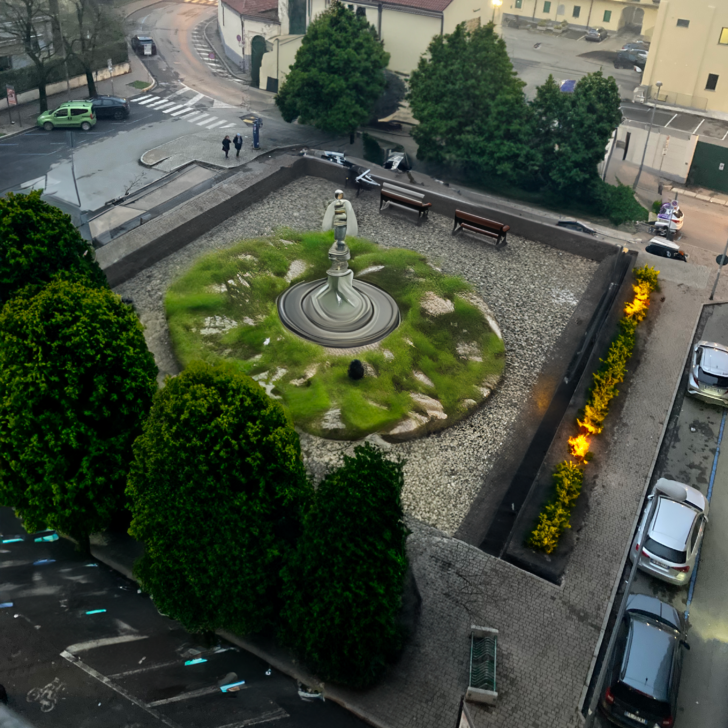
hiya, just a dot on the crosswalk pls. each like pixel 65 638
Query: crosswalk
pixel 188 105
pixel 206 52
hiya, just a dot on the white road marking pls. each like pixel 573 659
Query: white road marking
pixel 194 100
pixel 671 120
pixel 184 110
pixel 695 131
pixel 145 100
pixel 185 696
pixel 179 91
pixel 148 668
pixel 33 182
pixel 228 126
pixel 116 688
pixel 204 116
pixel 173 108
pixel 196 116
pixel 262 718
pixel 160 104
pixel 213 125
pixel 106 641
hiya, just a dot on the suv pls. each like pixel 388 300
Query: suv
pixel 708 379
pixel 630 58
pixel 644 673
pixel 674 533
pixel 69 115
pixel 143 45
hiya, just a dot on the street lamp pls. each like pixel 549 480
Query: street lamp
pixel 496 4
pixel 644 151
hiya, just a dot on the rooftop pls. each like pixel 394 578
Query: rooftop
pixel 267 9
pixel 435 6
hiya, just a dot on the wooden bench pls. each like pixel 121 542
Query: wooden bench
pixel 480 226
pixel 401 197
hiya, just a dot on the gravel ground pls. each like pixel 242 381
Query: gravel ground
pixel 531 288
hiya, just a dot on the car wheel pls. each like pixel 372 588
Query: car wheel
pixel 616 65
pixel 48 126
pixel 118 114
pixel 85 126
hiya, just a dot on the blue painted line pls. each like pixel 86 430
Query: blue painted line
pixel 49 538
pixel 232 687
pixel 44 561
pixel 11 540
pixel 96 611
pixel 694 577
pixel 6 605
pixel 196 661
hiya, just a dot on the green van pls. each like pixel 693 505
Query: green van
pixel 69 115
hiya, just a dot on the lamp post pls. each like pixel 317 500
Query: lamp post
pixel 496 4
pixel 644 151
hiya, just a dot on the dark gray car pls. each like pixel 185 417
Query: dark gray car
pixel 644 673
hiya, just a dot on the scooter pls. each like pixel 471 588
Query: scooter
pixel 669 221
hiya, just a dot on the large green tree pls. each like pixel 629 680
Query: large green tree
pixel 37 243
pixel 76 381
pixel 343 586
pixel 470 106
pixel 338 74
pixel 216 489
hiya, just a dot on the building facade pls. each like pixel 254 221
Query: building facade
pixel 612 15
pixel 689 55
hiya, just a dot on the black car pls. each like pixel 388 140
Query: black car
pixel 639 45
pixel 629 58
pixel 644 673
pixel 110 107
pixel 580 227
pixel 144 45
pixel 666 249
pixel 596 35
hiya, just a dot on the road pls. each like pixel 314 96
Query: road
pixel 688 455
pixel 81 648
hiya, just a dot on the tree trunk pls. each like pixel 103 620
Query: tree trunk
pixel 90 83
pixel 42 95
pixel 352 136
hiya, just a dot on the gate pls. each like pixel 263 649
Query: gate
pixel 710 167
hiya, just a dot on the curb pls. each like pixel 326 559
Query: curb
pixel 275 150
pixel 697 195
pixel 221 56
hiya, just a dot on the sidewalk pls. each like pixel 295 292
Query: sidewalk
pixel 119 86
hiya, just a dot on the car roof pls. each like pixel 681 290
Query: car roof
pixel 714 359
pixel 647 661
pixel 662 242
pixel 672 523
pixel 105 96
pixel 653 606
pixel 74 103
pixel 692 495
pixel 143 38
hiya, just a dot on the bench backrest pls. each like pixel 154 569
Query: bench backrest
pixel 403 191
pixel 467 217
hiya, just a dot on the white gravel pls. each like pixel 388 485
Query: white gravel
pixel 531 289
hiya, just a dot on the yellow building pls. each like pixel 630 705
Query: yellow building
pixel 612 15
pixel 689 54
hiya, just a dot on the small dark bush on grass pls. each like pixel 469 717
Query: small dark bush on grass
pixel 356 370
pixel 343 586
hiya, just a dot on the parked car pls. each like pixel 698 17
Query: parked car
pixel 69 115
pixel 639 45
pixel 109 107
pixel 708 378
pixel 631 59
pixel 580 227
pixel 673 536
pixel 665 249
pixel 596 35
pixel 644 671
pixel 144 45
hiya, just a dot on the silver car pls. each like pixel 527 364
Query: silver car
pixel 674 534
pixel 708 377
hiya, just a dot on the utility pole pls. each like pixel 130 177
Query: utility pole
pixel 649 131
pixel 722 262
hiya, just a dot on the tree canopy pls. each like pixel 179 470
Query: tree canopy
pixel 343 586
pixel 338 74
pixel 39 242
pixel 470 105
pixel 216 489
pixel 76 381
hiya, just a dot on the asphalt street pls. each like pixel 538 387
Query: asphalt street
pixel 80 647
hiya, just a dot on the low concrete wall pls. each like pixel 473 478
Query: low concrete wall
pixel 127 255
pixel 76 82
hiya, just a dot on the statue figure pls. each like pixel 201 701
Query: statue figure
pixel 341 217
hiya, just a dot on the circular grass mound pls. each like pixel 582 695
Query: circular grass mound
pixel 444 358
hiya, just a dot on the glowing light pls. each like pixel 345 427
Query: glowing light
pixel 579 445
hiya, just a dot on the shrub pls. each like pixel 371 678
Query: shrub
pixel 216 487
pixel 343 586
pixel 656 205
pixel 617 202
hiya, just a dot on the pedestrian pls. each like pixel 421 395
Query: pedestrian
pixel 238 142
pixel 226 146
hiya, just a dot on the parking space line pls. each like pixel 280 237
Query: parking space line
pixel 262 718
pixel 695 131
pixel 186 696
pixel 671 120
pixel 117 689
pixel 148 668
pixel 104 642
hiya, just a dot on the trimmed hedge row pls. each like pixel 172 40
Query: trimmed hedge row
pixel 568 476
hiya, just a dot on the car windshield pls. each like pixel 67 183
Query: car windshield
pixel 640 701
pixel 714 380
pixel 664 552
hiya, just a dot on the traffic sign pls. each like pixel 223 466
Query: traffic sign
pixel 12 98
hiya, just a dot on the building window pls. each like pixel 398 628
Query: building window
pixel 682 23
pixel 547 6
pixel 712 82
pixel 723 40
pixel 519 3
pixel 577 10
pixel 607 16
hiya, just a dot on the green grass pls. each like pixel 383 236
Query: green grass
pixel 241 285
pixel 139 84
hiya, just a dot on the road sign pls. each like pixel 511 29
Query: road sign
pixel 12 98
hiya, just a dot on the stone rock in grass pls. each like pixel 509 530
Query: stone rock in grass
pixel 268 381
pixel 433 305
pixel 296 268
pixel 217 325
pixel 468 403
pixel 423 378
pixel 433 407
pixel 387 354
pixel 371 269
pixel 409 425
pixel 369 370
pixel 469 351
pixel 332 420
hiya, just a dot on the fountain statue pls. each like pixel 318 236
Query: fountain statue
pixel 339 311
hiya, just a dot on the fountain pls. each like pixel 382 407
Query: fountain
pixel 338 311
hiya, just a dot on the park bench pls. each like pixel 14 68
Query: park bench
pixel 480 226
pixel 407 199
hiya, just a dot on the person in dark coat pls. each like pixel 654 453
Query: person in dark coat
pixel 226 146
pixel 238 143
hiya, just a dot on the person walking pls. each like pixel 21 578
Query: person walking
pixel 238 142
pixel 226 145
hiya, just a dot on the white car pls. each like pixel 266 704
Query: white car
pixel 708 378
